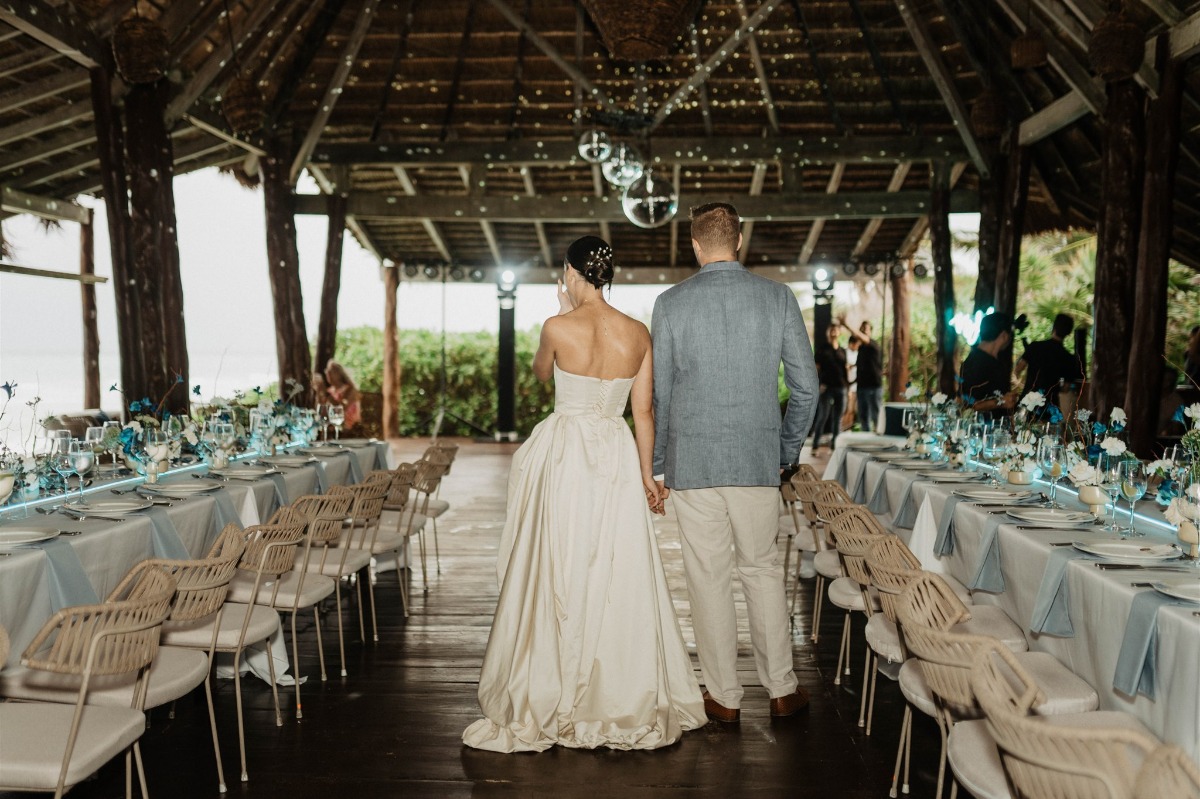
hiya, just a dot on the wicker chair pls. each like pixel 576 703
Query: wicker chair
pixel 1168 773
pixel 821 501
pixel 393 543
pixel 362 518
pixel 426 483
pixel 934 622
pixel 847 593
pixel 176 671
pixel 791 527
pixel 59 744
pixel 1080 756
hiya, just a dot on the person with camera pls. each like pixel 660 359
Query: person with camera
pixel 984 378
pixel 1047 365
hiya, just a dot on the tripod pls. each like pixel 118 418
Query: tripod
pixel 441 413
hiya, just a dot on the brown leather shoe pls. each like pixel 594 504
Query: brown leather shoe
pixel 787 705
pixel 718 712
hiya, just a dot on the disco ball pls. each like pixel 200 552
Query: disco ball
pixel 648 202
pixel 595 146
pixel 623 167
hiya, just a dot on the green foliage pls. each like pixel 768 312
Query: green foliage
pixel 470 377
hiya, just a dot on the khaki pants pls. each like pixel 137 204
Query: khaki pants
pixel 718 526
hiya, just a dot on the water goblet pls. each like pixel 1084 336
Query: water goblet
pixel 1052 459
pixel 60 462
pixel 337 417
pixel 83 457
pixel 57 441
pixel 1133 488
pixel 1109 467
pixel 112 439
pixel 323 411
pixel 995 448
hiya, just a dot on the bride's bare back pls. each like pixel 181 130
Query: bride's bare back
pixel 594 340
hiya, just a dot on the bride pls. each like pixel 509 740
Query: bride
pixel 585 650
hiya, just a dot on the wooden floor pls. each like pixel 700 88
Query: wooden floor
pixel 392 727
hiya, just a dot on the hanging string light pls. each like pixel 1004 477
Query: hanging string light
pixel 241 102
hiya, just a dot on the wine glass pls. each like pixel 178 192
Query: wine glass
pixel 112 434
pixel 60 462
pixel 1109 467
pixel 323 411
pixel 82 458
pixel 1052 459
pixel 995 447
pixel 58 441
pixel 1133 488
pixel 337 417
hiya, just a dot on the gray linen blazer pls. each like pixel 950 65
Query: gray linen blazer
pixel 719 338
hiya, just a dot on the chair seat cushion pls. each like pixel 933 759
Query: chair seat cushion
pixel 175 672
pixel 803 539
pixel 316 587
pixel 975 760
pixel 961 591
pixel 915 688
pixel 400 521
pixel 828 564
pixel 845 593
pixel 356 559
pixel 385 541
pixel 883 638
pixel 993 621
pixel 32 759
pixel 198 634
pixel 1065 691
pixel 435 508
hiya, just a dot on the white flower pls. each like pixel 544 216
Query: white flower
pixel 960 459
pixel 938 399
pixel 31 479
pixel 1083 414
pixel 1193 412
pixel 1193 492
pixel 190 435
pixel 135 426
pixel 1113 446
pixel 1033 400
pixel 1117 416
pixel 1176 513
pixel 911 392
pixel 1025 448
pixel 1161 466
pixel 1082 474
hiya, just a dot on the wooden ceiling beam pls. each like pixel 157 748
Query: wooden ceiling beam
pixel 538 226
pixel 756 187
pixel 763 85
pixel 48 148
pixel 20 202
pixel 43 89
pixel 913 239
pixel 360 233
pixel 818 225
pixel 337 82
pixel 431 227
pixel 1059 114
pixel 943 80
pixel 872 228
pixel 702 89
pixel 1089 87
pixel 65 34
pixel 203 77
pixel 65 114
pixel 1078 28
pixel 214 127
pixel 724 51
pixel 822 77
pixel 550 51
pixel 1185 37
pixel 676 171
pixel 314 37
pixel 880 67
pixel 188 24
pixel 688 151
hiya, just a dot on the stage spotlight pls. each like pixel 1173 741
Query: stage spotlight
pixel 897 270
pixel 507 280
pixel 920 270
pixel 411 270
pixel 478 275
pixel 850 268
pixel 871 269
pixel 457 272
pixel 822 280
pixel 431 272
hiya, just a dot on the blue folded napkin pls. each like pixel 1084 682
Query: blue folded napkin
pixel 322 479
pixel 906 515
pixel 167 543
pixel 943 545
pixel 859 492
pixel 381 453
pixel 69 583
pixel 988 573
pixel 1052 608
pixel 840 474
pixel 1137 665
pixel 281 492
pixel 879 497
pixel 356 472
pixel 223 511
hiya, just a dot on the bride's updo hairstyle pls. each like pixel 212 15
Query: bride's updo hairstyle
pixel 591 257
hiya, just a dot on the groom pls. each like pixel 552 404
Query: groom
pixel 719 446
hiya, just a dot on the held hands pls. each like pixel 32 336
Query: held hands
pixel 656 495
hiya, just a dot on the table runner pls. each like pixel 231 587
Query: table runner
pixel 223 511
pixel 69 583
pixel 167 543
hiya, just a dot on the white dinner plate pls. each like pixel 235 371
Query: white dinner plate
pixel 891 456
pixel 323 452
pixel 951 477
pixel 288 460
pixel 25 534
pixel 871 446
pixel 917 464
pixel 996 494
pixel 1188 588
pixel 1052 516
pixel 1131 550
pixel 182 489
pixel 109 506
pixel 353 442
pixel 244 471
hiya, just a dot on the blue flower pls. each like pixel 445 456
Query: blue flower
pixel 1167 490
pixel 1055 415
pixel 1098 429
pixel 10 388
pixel 1178 417
pixel 113 387
pixel 128 439
pixel 196 389
pixel 135 406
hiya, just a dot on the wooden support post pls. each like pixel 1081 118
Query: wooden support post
pixel 327 324
pixel 91 337
pixel 110 148
pixel 391 354
pixel 991 190
pixel 1116 244
pixel 1012 226
pixel 283 267
pixel 943 277
pixel 1143 395
pixel 155 251
pixel 897 367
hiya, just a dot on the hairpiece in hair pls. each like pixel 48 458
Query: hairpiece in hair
pixel 596 259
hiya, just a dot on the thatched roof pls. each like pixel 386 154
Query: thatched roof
pixel 453 124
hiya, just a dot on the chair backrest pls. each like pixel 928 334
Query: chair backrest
pixel 806 493
pixel 399 482
pixel 4 645
pixel 1053 760
pixel 926 611
pixel 202 585
pixel 367 500
pixel 325 515
pixel 438 456
pixel 448 451
pixel 854 533
pixel 806 472
pixel 892 566
pixel 428 476
pixel 1168 773
pixel 117 636
pixel 271 548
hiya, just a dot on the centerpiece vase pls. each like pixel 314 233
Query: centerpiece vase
pixel 1095 498
pixel 1020 478
pixel 1189 535
pixel 8 479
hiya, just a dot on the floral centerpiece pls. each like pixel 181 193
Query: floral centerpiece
pixel 1087 478
pixel 144 450
pixel 23 473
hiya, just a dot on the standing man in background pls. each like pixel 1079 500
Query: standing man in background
pixel 870 375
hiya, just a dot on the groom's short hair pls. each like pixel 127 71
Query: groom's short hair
pixel 716 226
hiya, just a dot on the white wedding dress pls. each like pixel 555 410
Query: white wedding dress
pixel 585 650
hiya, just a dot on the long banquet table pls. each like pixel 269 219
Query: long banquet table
pixel 1095 603
pixel 31 582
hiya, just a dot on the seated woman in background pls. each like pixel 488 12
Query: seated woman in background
pixel 341 390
